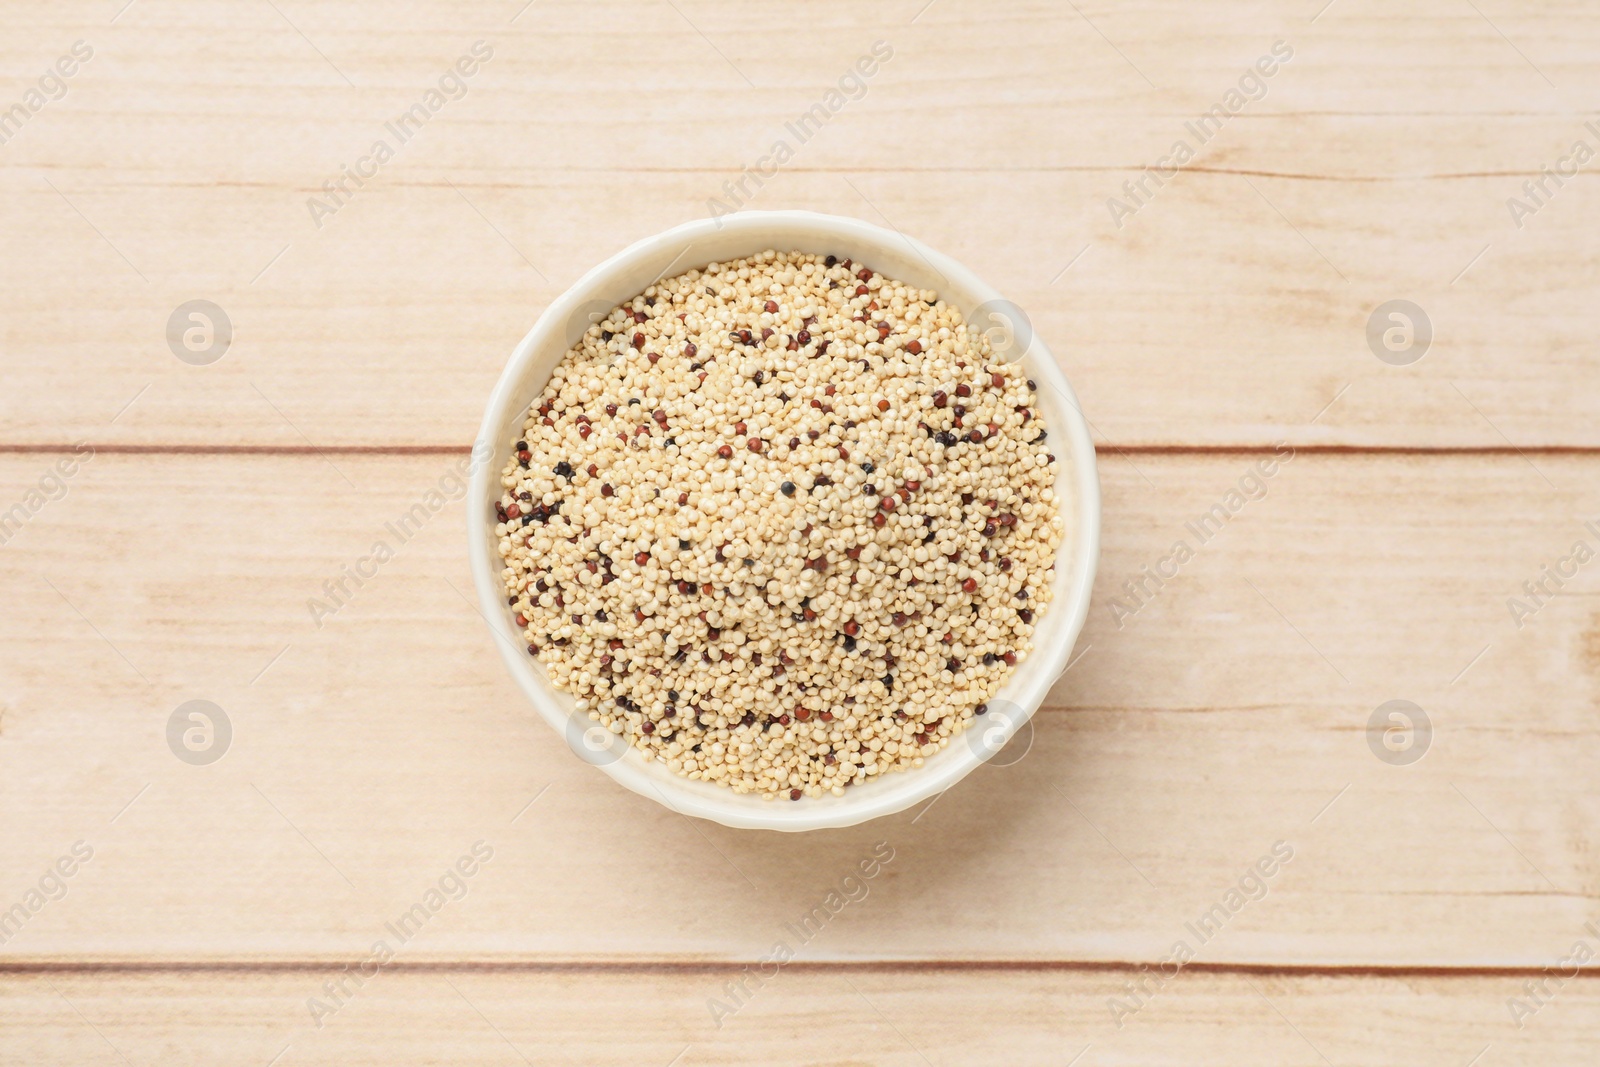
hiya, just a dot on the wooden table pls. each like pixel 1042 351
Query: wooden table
pixel 178 515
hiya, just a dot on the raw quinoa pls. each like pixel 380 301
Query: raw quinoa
pixel 782 523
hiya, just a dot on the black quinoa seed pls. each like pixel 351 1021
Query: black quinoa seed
pixel 787 488
pixel 564 469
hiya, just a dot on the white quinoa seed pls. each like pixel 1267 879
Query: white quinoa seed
pixel 783 523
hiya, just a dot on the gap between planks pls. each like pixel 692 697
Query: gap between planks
pixel 1108 168
pixel 268 965
pixel 48 448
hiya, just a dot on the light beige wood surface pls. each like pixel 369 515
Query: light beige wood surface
pixel 1193 737
pixel 1232 309
pixel 1228 714
pixel 846 1017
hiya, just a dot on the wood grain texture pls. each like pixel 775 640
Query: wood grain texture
pixel 1228 713
pixel 814 1016
pixel 1231 309
pixel 1213 714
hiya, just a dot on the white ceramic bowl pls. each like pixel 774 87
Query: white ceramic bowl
pixel 695 244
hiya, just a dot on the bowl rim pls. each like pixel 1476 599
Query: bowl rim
pixel 892 793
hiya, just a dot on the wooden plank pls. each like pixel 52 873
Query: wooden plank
pixel 800 1015
pixel 1224 312
pixel 1228 713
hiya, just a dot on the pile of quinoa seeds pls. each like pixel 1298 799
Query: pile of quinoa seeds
pixel 782 523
